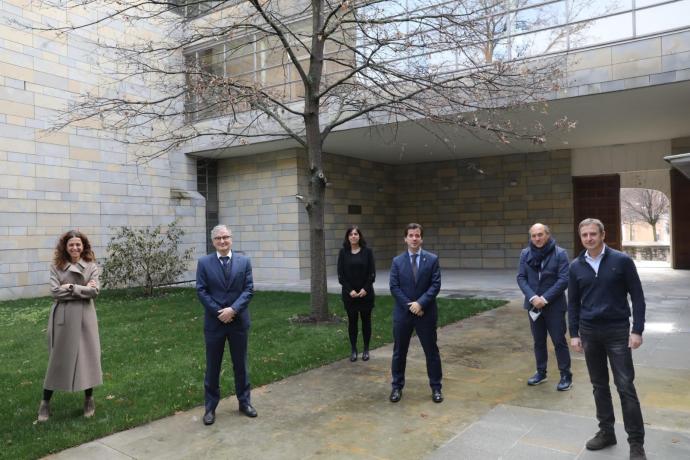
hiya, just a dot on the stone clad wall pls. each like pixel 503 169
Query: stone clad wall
pixel 78 177
pixel 475 220
pixel 368 184
pixel 256 197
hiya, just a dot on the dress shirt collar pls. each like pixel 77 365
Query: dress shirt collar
pixel 219 255
pixel 589 258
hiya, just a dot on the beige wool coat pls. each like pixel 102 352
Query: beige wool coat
pixel 74 345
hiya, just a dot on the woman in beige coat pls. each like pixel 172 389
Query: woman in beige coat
pixel 74 347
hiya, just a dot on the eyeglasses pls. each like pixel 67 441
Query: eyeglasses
pixel 223 238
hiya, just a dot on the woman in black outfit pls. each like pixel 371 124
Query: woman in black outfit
pixel 356 273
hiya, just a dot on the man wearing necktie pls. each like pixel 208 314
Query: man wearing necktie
pixel 224 286
pixel 415 281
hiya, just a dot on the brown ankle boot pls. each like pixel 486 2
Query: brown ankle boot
pixel 89 407
pixel 44 411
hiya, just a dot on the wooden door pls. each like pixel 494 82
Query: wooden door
pixel 598 197
pixel 680 219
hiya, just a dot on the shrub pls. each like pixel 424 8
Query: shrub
pixel 145 257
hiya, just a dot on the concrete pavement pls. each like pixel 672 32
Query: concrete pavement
pixel 341 411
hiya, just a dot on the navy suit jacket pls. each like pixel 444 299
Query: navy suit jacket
pixel 216 292
pixel 553 280
pixel 424 291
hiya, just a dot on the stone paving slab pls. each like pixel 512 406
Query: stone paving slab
pixel 516 433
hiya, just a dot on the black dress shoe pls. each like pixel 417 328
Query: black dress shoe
pixel 437 396
pixel 353 356
pixel 209 417
pixel 365 355
pixel 248 410
pixel 396 394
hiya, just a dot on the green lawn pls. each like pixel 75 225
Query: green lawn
pixel 153 359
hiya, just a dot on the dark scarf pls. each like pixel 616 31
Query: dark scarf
pixel 537 255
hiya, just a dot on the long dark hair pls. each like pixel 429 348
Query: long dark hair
pixel 61 256
pixel 346 241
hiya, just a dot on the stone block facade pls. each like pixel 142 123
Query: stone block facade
pixel 477 212
pixel 634 64
pixel 79 177
pixel 256 197
pixel 471 219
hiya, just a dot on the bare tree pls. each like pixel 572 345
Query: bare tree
pixel 226 73
pixel 644 205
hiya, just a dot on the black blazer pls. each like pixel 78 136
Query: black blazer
pixel 355 272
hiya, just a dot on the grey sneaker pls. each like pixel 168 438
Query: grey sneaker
pixel 89 407
pixel 637 452
pixel 601 439
pixel 44 411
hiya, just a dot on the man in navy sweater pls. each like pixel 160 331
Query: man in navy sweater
pixel 600 280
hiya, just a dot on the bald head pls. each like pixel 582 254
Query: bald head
pixel 539 234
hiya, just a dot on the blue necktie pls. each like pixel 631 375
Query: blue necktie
pixel 414 267
pixel 225 260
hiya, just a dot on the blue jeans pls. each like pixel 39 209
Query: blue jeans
pixel 602 341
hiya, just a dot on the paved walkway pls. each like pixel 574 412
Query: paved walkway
pixel 341 411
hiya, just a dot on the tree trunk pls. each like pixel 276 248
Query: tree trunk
pixel 317 246
pixel 317 178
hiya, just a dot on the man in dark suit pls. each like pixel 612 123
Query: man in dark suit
pixel 543 279
pixel 600 281
pixel 224 286
pixel 415 281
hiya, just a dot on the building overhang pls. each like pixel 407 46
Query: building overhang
pixel 681 162
pixel 629 116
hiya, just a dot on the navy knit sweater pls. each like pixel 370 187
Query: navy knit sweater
pixel 595 298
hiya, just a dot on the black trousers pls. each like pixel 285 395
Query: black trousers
pixel 354 312
pixel 602 342
pixel 215 347
pixel 553 323
pixel 402 333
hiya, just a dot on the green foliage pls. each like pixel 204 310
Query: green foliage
pixel 145 257
pixel 153 359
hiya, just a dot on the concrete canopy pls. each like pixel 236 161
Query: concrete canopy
pixel 618 117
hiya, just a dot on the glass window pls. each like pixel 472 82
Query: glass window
pixel 664 17
pixel 641 3
pixel 582 10
pixel 540 17
pixel 212 60
pixel 603 30
pixel 240 60
pixel 541 42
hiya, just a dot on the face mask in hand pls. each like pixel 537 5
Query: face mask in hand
pixel 534 313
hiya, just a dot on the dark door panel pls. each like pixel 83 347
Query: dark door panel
pixel 598 197
pixel 680 219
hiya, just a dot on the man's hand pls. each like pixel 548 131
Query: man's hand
pixel 416 308
pixel 576 343
pixel 226 315
pixel 91 283
pixel 538 302
pixel 353 294
pixel 361 293
pixel 634 341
